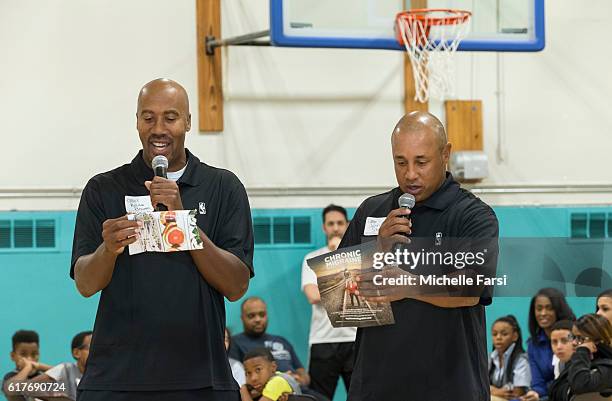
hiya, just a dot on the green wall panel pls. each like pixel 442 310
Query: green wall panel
pixel 36 292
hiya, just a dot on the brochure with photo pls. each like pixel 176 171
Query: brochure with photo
pixel 167 231
pixel 337 273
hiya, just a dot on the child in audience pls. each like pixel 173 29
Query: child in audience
pixel 604 304
pixel 25 354
pixel 562 344
pixel 590 368
pixel 263 382
pixel 547 307
pixel 508 365
pixel 69 374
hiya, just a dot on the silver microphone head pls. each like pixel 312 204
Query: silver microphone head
pixel 159 161
pixel 406 201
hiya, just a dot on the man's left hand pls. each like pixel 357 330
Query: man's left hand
pixel 166 192
pixel 383 291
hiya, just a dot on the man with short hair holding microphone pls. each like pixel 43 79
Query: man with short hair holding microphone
pixel 436 349
pixel 159 329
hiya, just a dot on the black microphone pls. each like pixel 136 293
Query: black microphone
pixel 160 167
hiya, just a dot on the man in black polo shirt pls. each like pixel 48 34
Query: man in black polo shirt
pixel 436 350
pixel 159 329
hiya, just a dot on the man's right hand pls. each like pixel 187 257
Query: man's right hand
pixel 396 228
pixel 119 233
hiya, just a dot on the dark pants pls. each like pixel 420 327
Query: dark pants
pixel 328 362
pixel 206 394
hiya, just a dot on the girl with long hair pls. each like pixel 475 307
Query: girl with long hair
pixel 590 368
pixel 509 372
pixel 547 306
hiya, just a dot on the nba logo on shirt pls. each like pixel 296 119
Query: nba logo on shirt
pixel 202 208
pixel 438 238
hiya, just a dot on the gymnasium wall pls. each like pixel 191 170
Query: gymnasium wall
pixel 37 293
pixel 70 72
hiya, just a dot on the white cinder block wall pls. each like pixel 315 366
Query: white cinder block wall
pixel 70 72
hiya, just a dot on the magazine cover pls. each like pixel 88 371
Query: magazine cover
pixel 337 273
pixel 167 231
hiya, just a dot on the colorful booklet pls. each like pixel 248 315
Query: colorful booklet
pixel 168 231
pixel 337 273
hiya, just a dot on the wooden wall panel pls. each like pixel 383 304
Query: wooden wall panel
pixel 210 89
pixel 464 124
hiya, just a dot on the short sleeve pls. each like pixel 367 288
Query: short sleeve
pixel 308 275
pixel 522 372
pixel 88 226
pixel 238 371
pixel 352 236
pixel 57 373
pixel 236 233
pixel 275 387
pixel 481 226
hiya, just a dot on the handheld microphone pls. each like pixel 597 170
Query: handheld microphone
pixel 160 167
pixel 406 201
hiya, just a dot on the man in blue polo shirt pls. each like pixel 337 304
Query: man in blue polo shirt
pixel 159 329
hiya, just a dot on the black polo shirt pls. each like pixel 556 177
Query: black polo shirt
pixel 430 353
pixel 160 325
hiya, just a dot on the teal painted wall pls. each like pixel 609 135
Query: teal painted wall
pixel 36 292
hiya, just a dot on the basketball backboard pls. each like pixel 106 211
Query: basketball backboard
pixel 497 25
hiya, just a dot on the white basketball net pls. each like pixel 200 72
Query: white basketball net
pixel 432 62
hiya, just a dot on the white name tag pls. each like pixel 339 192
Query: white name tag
pixel 138 204
pixel 372 225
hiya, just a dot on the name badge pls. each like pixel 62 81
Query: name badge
pixel 372 225
pixel 138 204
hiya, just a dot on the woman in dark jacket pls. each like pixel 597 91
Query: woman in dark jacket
pixel 590 369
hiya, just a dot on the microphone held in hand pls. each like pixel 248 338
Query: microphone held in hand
pixel 405 201
pixel 160 167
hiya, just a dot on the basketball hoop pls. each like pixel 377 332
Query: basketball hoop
pixel 432 59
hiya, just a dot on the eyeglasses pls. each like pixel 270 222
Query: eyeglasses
pixel 580 339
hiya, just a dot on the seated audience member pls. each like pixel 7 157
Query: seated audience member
pixel 254 317
pixel 235 365
pixel 25 354
pixel 590 368
pixel 604 304
pixel 546 307
pixel 562 342
pixel 69 374
pixel 508 365
pixel 255 321
pixel 263 382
